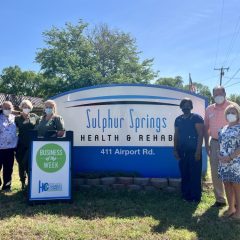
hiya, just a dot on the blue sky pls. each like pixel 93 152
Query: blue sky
pixel 182 36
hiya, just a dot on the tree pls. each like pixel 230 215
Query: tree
pixel 177 82
pixel 27 83
pixel 235 98
pixel 117 57
pixel 201 90
pixel 171 82
pixel 76 59
pixel 67 60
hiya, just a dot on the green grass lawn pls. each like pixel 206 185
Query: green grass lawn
pixel 111 214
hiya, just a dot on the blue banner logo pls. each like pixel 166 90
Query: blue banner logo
pixel 49 187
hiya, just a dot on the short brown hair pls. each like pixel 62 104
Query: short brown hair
pixel 219 87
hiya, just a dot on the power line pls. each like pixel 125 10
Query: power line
pixel 232 84
pixel 230 77
pixel 234 59
pixel 233 76
pixel 232 42
pixel 219 33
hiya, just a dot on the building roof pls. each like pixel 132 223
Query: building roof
pixel 38 103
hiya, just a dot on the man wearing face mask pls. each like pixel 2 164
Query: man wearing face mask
pixel 214 120
pixel 51 124
pixel 8 142
pixel 188 138
pixel 25 122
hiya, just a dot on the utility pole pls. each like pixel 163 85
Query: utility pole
pixel 221 73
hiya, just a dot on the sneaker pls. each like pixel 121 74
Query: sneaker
pixel 219 204
pixel 7 190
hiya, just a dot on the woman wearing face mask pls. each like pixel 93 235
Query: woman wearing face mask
pixel 51 124
pixel 25 122
pixel 188 138
pixel 8 142
pixel 229 160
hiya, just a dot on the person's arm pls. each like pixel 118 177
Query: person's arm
pixel 1 124
pixel 175 151
pixel 200 131
pixel 37 119
pixel 16 121
pixel 229 157
pixel 236 153
pixel 206 133
pixel 60 126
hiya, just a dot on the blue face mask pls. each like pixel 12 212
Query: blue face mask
pixel 48 111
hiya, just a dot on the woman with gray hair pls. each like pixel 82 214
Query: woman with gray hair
pixel 8 142
pixel 25 122
pixel 229 160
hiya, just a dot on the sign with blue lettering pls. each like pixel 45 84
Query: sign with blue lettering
pixel 125 127
pixel 50 176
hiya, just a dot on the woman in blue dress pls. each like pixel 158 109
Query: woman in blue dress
pixel 229 160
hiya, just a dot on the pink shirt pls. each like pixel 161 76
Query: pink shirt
pixel 215 119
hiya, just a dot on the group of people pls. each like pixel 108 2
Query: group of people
pixel 221 130
pixel 221 126
pixel 14 136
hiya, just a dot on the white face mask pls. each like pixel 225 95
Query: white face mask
pixel 231 117
pixel 26 110
pixel 7 112
pixel 219 99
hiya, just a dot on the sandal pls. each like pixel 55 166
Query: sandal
pixel 228 214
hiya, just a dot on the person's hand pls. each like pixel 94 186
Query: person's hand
pixel 176 155
pixel 224 159
pixel 60 133
pixel 198 156
pixel 208 149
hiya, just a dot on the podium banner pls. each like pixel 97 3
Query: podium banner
pixel 50 175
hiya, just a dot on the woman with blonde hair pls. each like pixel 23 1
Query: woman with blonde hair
pixel 51 124
pixel 25 122
pixel 8 142
pixel 229 160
